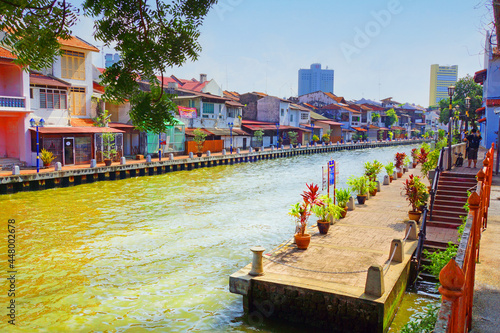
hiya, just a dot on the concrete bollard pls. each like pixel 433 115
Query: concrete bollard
pixel 209 153
pixel 148 159
pixel 16 171
pixel 191 155
pixel 338 143
pixel 315 144
pixel 282 147
pixel 291 147
pixel 299 145
pixel 123 160
pixel 223 152
pixel 323 144
pixel 257 267
pixel 93 163
pixel 262 149
pixel 58 166
pixel 171 156
pixel 238 151
pixel 250 150
pixel 351 204
pixel 387 181
pixel 378 185
pixel 307 145
pixel 413 235
pixel 395 175
pixel 398 255
pixel 272 148
pixel 375 281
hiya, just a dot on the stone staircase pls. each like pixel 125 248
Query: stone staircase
pixel 6 163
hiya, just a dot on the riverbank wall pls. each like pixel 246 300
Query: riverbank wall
pixel 85 175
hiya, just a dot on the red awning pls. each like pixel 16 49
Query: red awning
pixel 481 120
pixel 120 125
pixel 359 129
pixel 480 110
pixel 493 102
pixel 384 129
pixel 480 76
pixel 76 130
pixel 260 127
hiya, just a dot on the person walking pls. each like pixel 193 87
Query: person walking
pixel 473 139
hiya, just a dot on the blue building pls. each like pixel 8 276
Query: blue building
pixel 315 79
pixel 111 59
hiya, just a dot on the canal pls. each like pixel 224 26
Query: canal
pixel 153 254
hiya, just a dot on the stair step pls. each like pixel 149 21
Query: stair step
pixel 450 198
pixel 452 192
pixel 443 224
pixel 442 218
pixel 457 208
pixel 426 276
pixel 449 213
pixel 429 244
pixel 449 203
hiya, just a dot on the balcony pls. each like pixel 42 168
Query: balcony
pixel 10 103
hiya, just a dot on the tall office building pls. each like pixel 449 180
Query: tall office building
pixel 111 59
pixel 441 78
pixel 315 79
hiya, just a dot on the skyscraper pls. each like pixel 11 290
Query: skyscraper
pixel 315 79
pixel 441 78
pixel 111 59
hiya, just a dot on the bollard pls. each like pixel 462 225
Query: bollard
pixel 272 148
pixel 250 150
pixel 395 175
pixel 351 204
pixel 238 150
pixel 413 235
pixel 209 153
pixel 375 281
pixel 171 156
pixel 262 149
pixel 191 155
pixel 58 166
pixel 387 181
pixel 282 147
pixel 398 255
pixel 323 144
pixel 16 171
pixel 291 146
pixel 93 163
pixel 223 152
pixel 257 267
pixel 299 145
pixel 315 144
pixel 338 143
pixel 307 145
pixel 148 159
pixel 378 185
pixel 123 160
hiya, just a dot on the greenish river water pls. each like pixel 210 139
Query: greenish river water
pixel 153 254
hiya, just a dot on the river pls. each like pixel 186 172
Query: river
pixel 153 254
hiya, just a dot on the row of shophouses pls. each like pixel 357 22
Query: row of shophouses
pixel 67 97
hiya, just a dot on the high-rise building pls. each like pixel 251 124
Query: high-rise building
pixel 315 79
pixel 441 78
pixel 111 59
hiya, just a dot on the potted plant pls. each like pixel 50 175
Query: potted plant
pixel 399 160
pixel 372 169
pixel 406 163
pixel 199 138
pixel 293 138
pixel 429 166
pixel 301 212
pixel 315 138
pixel 326 138
pixel 389 168
pixel 108 151
pixel 325 209
pixel 360 186
pixel 414 156
pixel 258 135
pixel 390 134
pixel 343 195
pixel 372 188
pixel 47 157
pixel 422 155
pixel 416 193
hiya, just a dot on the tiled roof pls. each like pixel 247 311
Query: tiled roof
pixel 299 107
pixel 317 116
pixel 4 53
pixel 82 122
pixel 97 87
pixel 44 80
pixel 78 43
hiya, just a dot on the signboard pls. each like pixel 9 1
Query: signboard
pixel 189 113
pixel 331 172
pixel 324 179
pixel 496 110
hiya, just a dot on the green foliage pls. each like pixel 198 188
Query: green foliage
pixel 380 135
pixel 359 184
pixel 423 322
pixel 46 156
pixel 416 192
pixel 390 117
pixel 342 195
pixel 293 137
pixel 465 87
pixel 258 136
pixel 315 138
pixel 441 134
pixel 390 134
pixel 325 137
pixel 325 208
pixel 389 168
pixel 439 259
pixel 199 138
pixel 372 169
pixel 108 145
pixel 375 117
pixel 102 118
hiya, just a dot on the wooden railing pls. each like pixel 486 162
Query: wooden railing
pixel 457 277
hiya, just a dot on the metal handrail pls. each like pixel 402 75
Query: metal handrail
pixel 439 169
pixel 421 239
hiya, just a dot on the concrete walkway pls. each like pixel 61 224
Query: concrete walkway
pixel 486 310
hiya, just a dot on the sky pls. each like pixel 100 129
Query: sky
pixel 377 48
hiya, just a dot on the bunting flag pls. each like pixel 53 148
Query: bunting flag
pixel 189 113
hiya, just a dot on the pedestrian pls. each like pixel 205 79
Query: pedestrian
pixel 473 139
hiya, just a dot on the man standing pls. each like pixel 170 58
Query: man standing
pixel 474 139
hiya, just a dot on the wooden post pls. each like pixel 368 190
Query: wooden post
pixel 452 282
pixel 474 202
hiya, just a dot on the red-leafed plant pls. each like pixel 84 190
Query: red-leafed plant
pixel 399 159
pixel 414 154
pixel 302 210
pixel 422 156
pixel 415 192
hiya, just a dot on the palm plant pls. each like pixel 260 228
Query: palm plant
pixel 359 184
pixel 343 195
pixel 389 168
pixel 372 169
pixel 326 209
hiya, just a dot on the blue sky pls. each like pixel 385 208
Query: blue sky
pixel 378 48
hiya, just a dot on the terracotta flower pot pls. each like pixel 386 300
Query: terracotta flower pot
pixel 344 213
pixel 323 226
pixel 414 215
pixel 400 174
pixel 414 165
pixel 361 199
pixel 373 193
pixel 302 241
pixel 391 178
pixel 199 154
pixel 107 162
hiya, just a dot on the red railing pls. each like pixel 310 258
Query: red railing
pixel 457 277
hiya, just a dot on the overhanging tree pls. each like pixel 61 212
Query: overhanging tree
pixel 390 117
pixel 151 37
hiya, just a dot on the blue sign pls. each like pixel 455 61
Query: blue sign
pixel 331 171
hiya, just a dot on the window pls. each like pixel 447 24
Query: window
pixel 73 65
pixel 52 99
pixel 31 93
pixel 208 108
pixel 291 117
pixel 282 112
pixel 191 103
pixel 304 116
pixel 78 102
pixel 231 112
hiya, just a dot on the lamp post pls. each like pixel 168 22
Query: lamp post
pixel 231 136
pixel 312 125
pixel 451 91
pixel 277 135
pixel 159 147
pixel 467 105
pixel 37 124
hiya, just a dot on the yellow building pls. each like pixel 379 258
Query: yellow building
pixel 441 78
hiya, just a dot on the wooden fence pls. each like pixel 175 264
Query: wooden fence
pixel 214 146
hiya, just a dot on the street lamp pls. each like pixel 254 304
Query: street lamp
pixel 231 137
pixel 277 135
pixel 37 124
pixel 467 105
pixel 312 125
pixel 451 91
